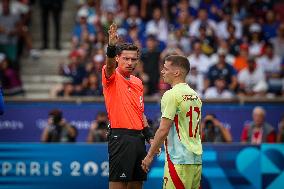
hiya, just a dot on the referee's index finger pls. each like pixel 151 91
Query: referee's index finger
pixel 113 26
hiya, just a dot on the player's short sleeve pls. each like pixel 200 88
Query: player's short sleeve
pixel 107 80
pixel 168 105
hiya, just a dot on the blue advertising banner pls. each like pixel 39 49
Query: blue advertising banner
pixel 53 166
pixel 24 121
pixel 56 166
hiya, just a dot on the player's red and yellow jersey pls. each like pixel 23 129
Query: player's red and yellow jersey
pixel 182 105
pixel 124 100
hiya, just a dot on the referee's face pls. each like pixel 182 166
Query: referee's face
pixel 168 72
pixel 127 61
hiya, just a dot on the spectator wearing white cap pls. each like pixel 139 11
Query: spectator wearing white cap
pixel 83 32
pixel 255 40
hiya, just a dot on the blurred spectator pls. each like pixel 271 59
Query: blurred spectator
pixel 55 7
pixel 236 8
pixel 252 80
pixel 207 40
pixel 280 135
pixel 150 57
pixel 200 65
pixel 9 33
pixel 101 41
pixel 233 42
pixel 133 19
pixel 107 19
pixel 158 26
pixel 214 131
pixel 182 21
pixel 133 36
pixel 172 48
pixel 218 90
pixel 202 20
pixel 223 26
pixel 198 59
pixel 94 11
pixel 139 72
pixel 223 47
pixel 195 80
pixel 75 69
pixel 90 86
pixel 278 41
pixel 9 78
pixel 182 40
pixel 57 129
pixel 66 90
pixel 213 7
pixel 241 61
pixel 222 69
pixel 22 10
pixel 255 39
pixel 271 64
pixel 258 8
pixel 99 128
pixel 258 131
pixel 270 25
pixel 83 32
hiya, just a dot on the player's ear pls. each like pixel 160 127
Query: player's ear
pixel 116 58
pixel 177 72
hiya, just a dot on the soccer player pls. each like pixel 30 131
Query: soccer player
pixel 179 128
pixel 123 94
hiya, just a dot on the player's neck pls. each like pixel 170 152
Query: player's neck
pixel 177 81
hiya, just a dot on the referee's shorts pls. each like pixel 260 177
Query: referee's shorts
pixel 126 150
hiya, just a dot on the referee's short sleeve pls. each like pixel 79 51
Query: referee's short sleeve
pixel 168 105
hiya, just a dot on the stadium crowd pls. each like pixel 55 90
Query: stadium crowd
pixel 235 47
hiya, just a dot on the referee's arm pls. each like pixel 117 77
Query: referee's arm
pixel 111 50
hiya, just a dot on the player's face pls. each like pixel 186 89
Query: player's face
pixel 127 61
pixel 168 72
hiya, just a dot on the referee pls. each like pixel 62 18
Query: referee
pixel 123 94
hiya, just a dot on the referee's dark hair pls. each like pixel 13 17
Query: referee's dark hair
pixel 179 61
pixel 127 47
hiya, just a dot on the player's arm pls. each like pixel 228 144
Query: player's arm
pixel 111 50
pixel 159 138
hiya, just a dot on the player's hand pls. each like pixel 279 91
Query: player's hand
pixel 146 162
pixel 113 37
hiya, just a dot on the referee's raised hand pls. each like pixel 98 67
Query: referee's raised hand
pixel 113 37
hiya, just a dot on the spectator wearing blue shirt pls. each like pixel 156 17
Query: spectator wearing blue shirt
pixel 224 70
pixel 83 32
pixel 270 26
